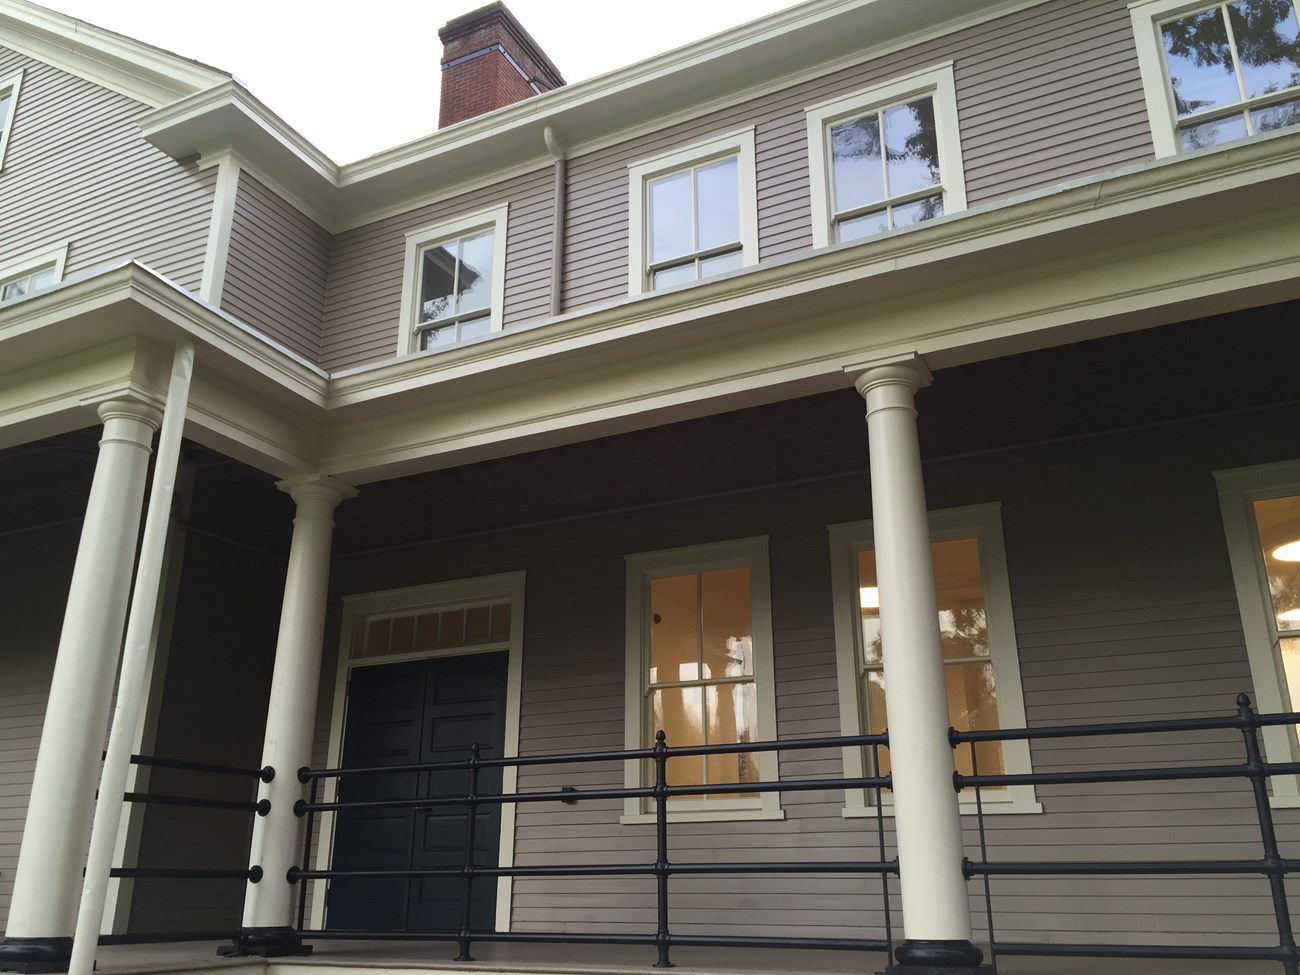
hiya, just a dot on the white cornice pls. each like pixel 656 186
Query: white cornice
pixel 147 74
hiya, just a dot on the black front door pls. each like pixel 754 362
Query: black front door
pixel 407 714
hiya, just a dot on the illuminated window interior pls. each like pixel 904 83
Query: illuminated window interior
pixel 1277 521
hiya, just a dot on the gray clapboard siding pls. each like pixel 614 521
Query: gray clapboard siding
pixel 276 271
pixel 77 172
pixel 365 278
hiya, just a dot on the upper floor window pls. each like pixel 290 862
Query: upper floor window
pixel 885 157
pixel 699 668
pixel 1218 72
pixel 8 106
pixel 32 274
pixel 977 635
pixel 454 284
pixel 1261 520
pixel 693 214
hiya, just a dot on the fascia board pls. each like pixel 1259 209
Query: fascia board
pixel 142 72
pixel 1054 220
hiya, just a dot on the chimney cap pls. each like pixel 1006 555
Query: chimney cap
pixel 497 12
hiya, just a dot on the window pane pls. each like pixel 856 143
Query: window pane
pixel 501 622
pixel 926 209
pixel 867 225
pixel 720 263
pixel 1200 62
pixel 475 283
pixel 451 632
pixel 670 217
pixel 963 626
pixel 911 147
pixel 857 174
pixel 728 645
pixel 674 630
pixel 426 631
pixel 1278 521
pixel 674 275
pixel 475 328
pixel 1274 117
pixel 1290 647
pixel 376 638
pixel 14 289
pixel 437 281
pixel 973 706
pixel 877 716
pixel 733 717
pixel 43 278
pixel 403 637
pixel 869 607
pixel 1266 33
pixel 432 338
pixel 477 624
pixel 1212 133
pixel 717 204
pixel 679 714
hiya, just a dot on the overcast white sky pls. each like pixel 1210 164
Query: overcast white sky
pixel 359 77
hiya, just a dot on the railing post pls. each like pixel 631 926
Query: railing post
pixel 662 935
pixel 306 850
pixel 880 843
pixel 984 845
pixel 471 817
pixel 1257 771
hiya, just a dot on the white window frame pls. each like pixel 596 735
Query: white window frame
pixel 55 258
pixel 739 144
pixel 983 522
pixel 1238 490
pixel 505 587
pixel 417 241
pixel 1147 17
pixel 938 83
pixel 743 553
pixel 12 84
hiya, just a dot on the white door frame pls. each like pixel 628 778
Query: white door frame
pixel 508 586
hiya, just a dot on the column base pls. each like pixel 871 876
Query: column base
pixel 265 943
pixel 35 956
pixel 938 958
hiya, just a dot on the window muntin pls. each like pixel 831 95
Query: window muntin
pixel 699 649
pixel 9 87
pixel 454 287
pixel 886 157
pixel 977 636
pixel 693 214
pixel 1215 72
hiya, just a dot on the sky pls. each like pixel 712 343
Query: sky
pixel 357 78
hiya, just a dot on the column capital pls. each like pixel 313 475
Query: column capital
pixel 321 488
pixel 129 408
pixel 907 369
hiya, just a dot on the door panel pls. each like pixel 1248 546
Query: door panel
pixel 409 713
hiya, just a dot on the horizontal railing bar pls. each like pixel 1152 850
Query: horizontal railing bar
pixel 1125 728
pixel 153 761
pixel 1127 867
pixel 642 792
pixel 177 873
pixel 603 870
pixel 1105 775
pixel 631 754
pixel 1245 953
pixel 546 937
pixel 165 937
pixel 195 801
pixel 830 944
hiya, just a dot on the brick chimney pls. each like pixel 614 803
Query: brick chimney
pixel 490 61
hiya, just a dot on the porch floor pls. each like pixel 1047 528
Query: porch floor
pixel 544 959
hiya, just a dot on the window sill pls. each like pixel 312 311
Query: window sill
pixel 967 809
pixel 705 816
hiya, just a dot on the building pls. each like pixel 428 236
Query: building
pixel 605 350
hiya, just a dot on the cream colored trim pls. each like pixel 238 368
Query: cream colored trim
pixel 937 82
pixel 219 229
pixel 739 144
pixel 417 241
pixel 10 86
pixel 139 71
pixel 982 522
pixel 750 553
pixel 1238 490
pixel 507 585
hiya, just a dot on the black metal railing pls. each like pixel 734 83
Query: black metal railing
pixel 1255 769
pixel 250 807
pixel 661 869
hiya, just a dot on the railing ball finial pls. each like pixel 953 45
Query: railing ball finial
pixel 1243 700
pixel 660 737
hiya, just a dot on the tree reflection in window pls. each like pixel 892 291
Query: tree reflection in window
pixel 1234 70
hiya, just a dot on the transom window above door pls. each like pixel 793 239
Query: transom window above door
pixel 886 157
pixel 693 214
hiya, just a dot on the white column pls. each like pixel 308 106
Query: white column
pixel 936 912
pixel 291 716
pixel 42 914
